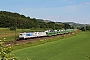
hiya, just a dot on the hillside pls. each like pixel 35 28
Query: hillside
pixel 75 24
pixel 10 19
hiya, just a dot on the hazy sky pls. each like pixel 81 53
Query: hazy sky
pixel 54 10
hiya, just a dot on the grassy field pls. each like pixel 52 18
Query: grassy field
pixel 72 48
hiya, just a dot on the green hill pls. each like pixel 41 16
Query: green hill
pixel 10 19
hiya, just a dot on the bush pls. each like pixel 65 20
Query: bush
pixel 12 28
pixel 5 52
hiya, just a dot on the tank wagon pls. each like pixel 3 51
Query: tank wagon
pixel 31 35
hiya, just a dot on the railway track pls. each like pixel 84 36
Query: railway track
pixel 33 39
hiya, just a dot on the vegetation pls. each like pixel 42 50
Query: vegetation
pixel 11 20
pixel 86 28
pixel 72 48
pixel 12 28
pixel 5 52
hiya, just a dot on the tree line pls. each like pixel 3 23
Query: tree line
pixel 9 19
pixel 85 28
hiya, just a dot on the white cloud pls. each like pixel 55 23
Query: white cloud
pixel 86 3
pixel 75 8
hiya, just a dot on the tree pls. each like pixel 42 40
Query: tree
pixel 82 28
pixel 51 25
pixel 66 26
pixel 88 28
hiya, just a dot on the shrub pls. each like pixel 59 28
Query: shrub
pixel 12 28
pixel 5 52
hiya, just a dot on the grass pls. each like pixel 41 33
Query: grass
pixel 72 48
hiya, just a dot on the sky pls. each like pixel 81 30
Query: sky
pixel 77 11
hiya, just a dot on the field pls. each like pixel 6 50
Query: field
pixel 71 48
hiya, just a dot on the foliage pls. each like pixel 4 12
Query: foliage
pixel 82 28
pixel 9 19
pixel 86 28
pixel 12 28
pixel 66 26
pixel 5 52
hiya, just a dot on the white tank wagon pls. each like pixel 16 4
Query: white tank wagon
pixel 31 35
pixel 40 34
pixel 27 35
